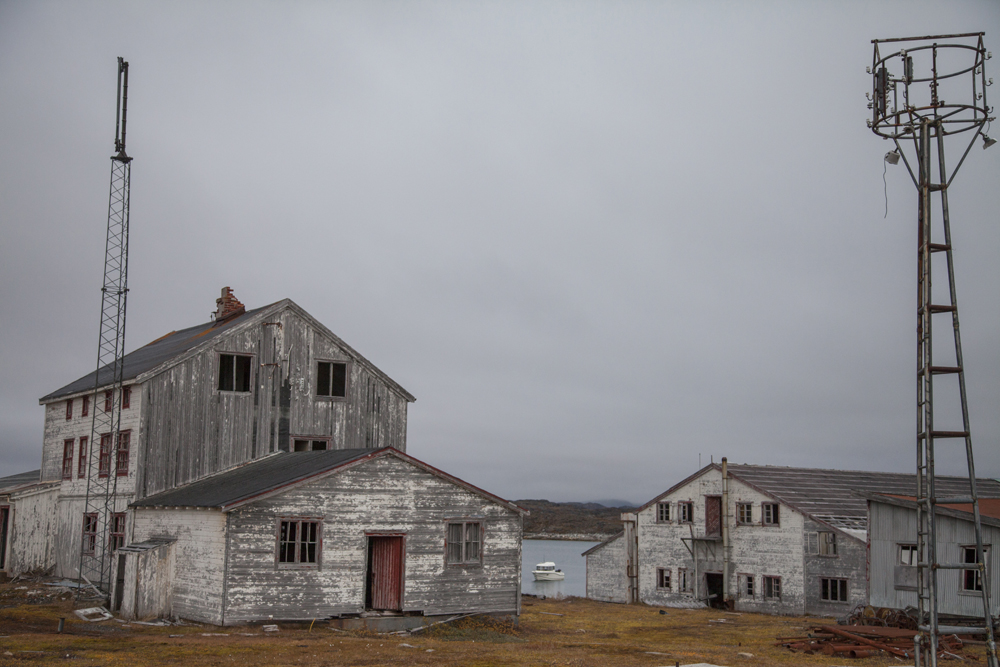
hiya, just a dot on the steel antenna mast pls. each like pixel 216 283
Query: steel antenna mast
pixel 926 92
pixel 101 504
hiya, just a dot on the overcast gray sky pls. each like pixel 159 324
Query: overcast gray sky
pixel 595 239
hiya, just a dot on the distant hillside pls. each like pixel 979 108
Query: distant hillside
pixel 571 520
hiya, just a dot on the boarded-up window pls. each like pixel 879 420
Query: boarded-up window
pixel 772 588
pixel 85 408
pixel 89 533
pixel 104 459
pixel 69 409
pixel 67 469
pixel 464 540
pixel 686 512
pixel 770 514
pixel 331 379
pixel 744 513
pixel 121 458
pixel 827 544
pixel 298 543
pixel 833 590
pixel 116 540
pixel 81 466
pixel 663 512
pixel 663 578
pixel 234 372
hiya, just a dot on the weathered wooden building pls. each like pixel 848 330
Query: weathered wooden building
pixel 892 529
pixel 755 538
pixel 27 520
pixel 249 392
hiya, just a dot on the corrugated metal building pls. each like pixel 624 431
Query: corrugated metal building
pixel 264 399
pixel 766 538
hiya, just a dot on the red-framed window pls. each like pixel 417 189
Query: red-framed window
pixel 109 399
pixel 104 462
pixel 89 533
pixel 67 470
pixel 85 408
pixel 69 409
pixel 81 466
pixel 126 398
pixel 121 460
pixel 116 540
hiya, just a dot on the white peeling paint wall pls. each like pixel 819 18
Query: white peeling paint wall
pixel 606 578
pixel 32 530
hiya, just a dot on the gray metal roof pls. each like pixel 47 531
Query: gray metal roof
pixel 21 479
pixel 253 479
pixel 833 494
pixel 150 356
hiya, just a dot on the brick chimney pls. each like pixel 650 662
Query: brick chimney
pixel 228 306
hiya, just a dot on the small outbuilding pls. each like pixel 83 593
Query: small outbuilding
pixel 322 534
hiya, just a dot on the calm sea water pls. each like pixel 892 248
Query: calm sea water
pixel 566 555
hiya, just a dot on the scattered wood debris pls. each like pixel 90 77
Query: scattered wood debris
pixel 863 641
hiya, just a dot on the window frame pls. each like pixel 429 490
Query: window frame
pixel 122 453
pixel 747 586
pixel 465 522
pixel 347 380
pixel 104 455
pixel 249 376
pixel 126 397
pixel 740 521
pixel 68 453
pixel 109 399
pixel 81 466
pixel 775 514
pixel 298 564
pixel 971 583
pixel 311 440
pixel 69 409
pixel 116 537
pixel 663 582
pixel 826 590
pixel 826 544
pixel 663 512
pixel 684 580
pixel 685 508
pixel 85 406
pixel 89 537
pixel 914 552
pixel 772 581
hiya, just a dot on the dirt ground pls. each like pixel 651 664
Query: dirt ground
pixel 569 631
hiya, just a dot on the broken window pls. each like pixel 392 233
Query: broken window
pixel 772 588
pixel 770 514
pixel 121 457
pixel 81 467
pixel 972 581
pixel 833 590
pixel 234 372
pixel 85 408
pixel 746 586
pixel 67 469
pixel 686 512
pixel 117 538
pixel 331 379
pixel 908 554
pixel 69 409
pixel 126 397
pixel 306 445
pixel 109 400
pixel 298 543
pixel 89 533
pixel 744 513
pixel 663 512
pixel 104 457
pixel 663 578
pixel 827 544
pixel 463 544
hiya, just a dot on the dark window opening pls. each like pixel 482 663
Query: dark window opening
pixel 67 469
pixel 464 542
pixel 307 445
pixel 234 372
pixel 772 588
pixel 298 543
pixel 104 459
pixel 89 533
pixel 684 579
pixel 117 538
pixel 663 578
pixel 81 468
pixel 908 554
pixel 833 590
pixel 686 512
pixel 126 397
pixel 972 581
pixel 121 458
pixel 747 585
pixel 85 408
pixel 331 379
pixel 69 409
pixel 770 512
pixel 109 400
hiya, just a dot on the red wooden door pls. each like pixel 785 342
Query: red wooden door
pixel 713 515
pixel 385 572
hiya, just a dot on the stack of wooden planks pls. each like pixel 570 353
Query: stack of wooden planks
pixel 863 641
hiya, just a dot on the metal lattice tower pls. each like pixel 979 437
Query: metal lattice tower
pixel 931 89
pixel 102 478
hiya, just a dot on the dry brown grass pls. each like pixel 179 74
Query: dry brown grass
pixel 573 631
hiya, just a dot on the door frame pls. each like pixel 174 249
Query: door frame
pixel 369 534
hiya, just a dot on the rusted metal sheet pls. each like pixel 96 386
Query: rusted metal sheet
pixel 385 575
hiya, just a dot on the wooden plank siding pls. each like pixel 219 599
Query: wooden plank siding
pixel 191 429
pixel 384 495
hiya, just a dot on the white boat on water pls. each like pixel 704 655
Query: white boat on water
pixel 548 572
